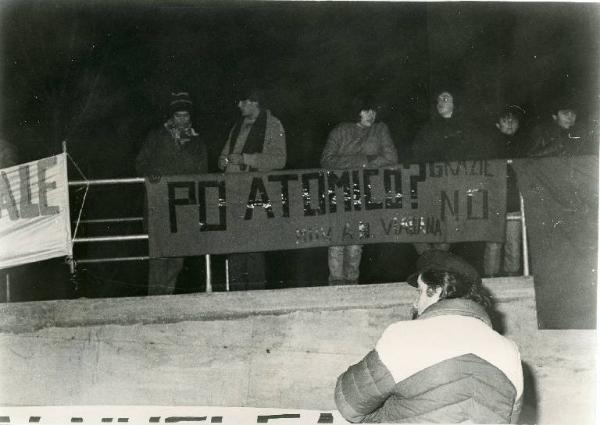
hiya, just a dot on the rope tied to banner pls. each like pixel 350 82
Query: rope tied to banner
pixel 70 260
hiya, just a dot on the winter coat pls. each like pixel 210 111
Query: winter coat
pixel 449 139
pixel 551 140
pixel 273 155
pixel 352 146
pixel 163 155
pixel 447 366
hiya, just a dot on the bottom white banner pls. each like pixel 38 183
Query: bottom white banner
pixel 141 415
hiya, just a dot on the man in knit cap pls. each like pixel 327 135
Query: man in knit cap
pixel 172 149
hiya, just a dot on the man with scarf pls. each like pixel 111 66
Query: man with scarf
pixel 255 143
pixel 172 149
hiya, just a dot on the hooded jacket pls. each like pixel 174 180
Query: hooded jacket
pixel 447 366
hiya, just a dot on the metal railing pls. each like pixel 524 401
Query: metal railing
pixel 134 237
pixel 122 238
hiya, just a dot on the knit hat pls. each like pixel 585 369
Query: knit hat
pixel 443 261
pixel 180 102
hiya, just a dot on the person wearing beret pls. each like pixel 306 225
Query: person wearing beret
pixel 447 365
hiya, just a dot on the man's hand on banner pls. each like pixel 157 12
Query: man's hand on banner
pixel 154 178
pixel 235 159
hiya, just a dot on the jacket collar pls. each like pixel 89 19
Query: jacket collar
pixel 459 307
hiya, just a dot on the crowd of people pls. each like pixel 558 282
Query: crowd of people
pixel 257 142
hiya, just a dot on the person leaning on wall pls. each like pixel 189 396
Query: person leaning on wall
pixel 447 365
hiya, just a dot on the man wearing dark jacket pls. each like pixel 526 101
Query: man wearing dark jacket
pixel 172 149
pixel 448 365
pixel 445 137
pixel 562 136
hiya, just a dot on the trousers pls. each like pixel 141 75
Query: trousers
pixel 509 252
pixel 344 264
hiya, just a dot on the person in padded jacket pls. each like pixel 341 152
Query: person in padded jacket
pixel 448 365
pixel 364 143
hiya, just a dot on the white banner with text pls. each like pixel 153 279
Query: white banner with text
pixel 34 212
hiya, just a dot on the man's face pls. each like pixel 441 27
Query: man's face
pixel 367 117
pixel 425 297
pixel 508 125
pixel 248 108
pixel 565 118
pixel 445 104
pixel 181 119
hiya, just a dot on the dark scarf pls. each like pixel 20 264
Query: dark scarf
pixel 256 138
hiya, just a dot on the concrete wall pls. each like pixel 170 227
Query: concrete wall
pixel 281 348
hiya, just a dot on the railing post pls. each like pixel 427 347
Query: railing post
pixel 227 274
pixel 7 287
pixel 208 274
pixel 524 236
pixel 70 259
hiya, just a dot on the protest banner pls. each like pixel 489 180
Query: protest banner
pixel 34 212
pixel 167 414
pixel 246 212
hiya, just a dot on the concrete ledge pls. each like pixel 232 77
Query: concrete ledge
pixel 277 349
pixel 31 316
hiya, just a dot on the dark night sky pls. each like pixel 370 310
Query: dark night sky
pixel 98 74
